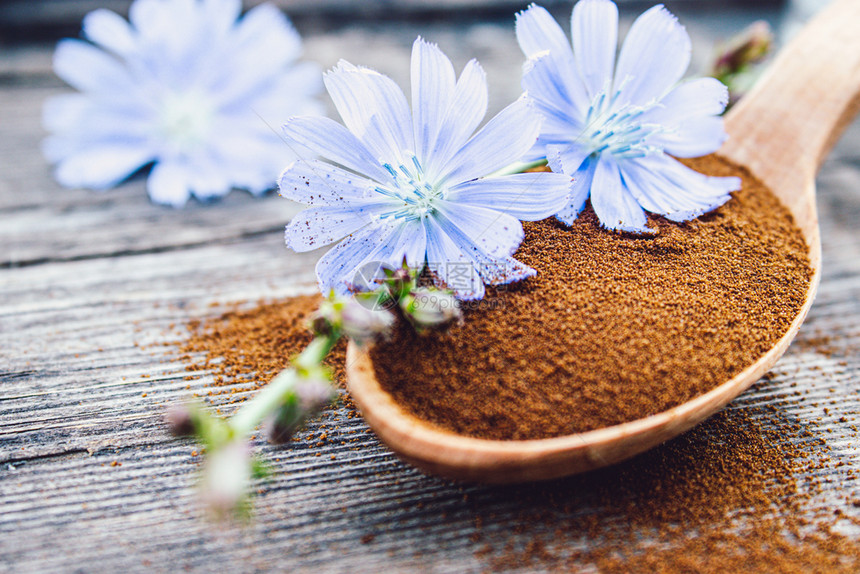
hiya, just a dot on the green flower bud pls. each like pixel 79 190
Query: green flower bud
pixel 321 325
pixel 400 282
pixel 309 396
pixel 364 324
pixel 180 421
pixel 427 307
pixel 748 47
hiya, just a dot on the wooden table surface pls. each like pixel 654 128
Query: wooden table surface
pixel 92 283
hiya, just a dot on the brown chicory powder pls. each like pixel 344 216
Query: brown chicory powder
pixel 614 327
pixel 746 491
pixel 749 490
pixel 252 345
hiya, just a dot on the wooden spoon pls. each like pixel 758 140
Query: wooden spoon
pixel 781 131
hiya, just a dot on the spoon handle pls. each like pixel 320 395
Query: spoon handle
pixel 784 128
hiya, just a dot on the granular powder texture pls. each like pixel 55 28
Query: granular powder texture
pixel 752 489
pixel 742 492
pixel 614 327
pixel 253 345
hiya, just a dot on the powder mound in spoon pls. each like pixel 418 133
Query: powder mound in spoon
pixel 614 327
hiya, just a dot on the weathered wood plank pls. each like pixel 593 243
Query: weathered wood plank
pixel 62 511
pixel 107 275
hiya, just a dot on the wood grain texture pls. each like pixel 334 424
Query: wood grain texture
pixel 53 13
pixel 93 282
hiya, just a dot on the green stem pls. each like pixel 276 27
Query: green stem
pixel 519 167
pixel 316 352
pixel 264 403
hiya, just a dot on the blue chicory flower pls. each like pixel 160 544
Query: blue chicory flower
pixel 183 85
pixel 413 184
pixel 613 126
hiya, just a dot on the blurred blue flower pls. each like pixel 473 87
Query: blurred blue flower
pixel 614 126
pixel 413 184
pixel 183 85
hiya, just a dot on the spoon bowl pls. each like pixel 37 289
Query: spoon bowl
pixel 781 132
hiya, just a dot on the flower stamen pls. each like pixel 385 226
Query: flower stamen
pixel 417 196
pixel 614 129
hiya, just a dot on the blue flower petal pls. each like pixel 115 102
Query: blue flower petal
pixel 335 269
pixel 145 15
pixel 319 226
pixel 171 34
pixel 494 233
pixel 653 58
pixel 594 30
pixel 66 111
pixel 293 93
pixel 81 122
pixel 689 115
pixel 329 139
pixel 313 182
pixel 504 271
pixel 691 99
pixel 101 167
pixel 539 35
pixel 468 267
pixel 526 196
pixel 168 184
pixel 262 41
pixel 537 31
pixel 87 68
pixel 110 31
pixel 407 240
pixel 693 138
pixel 467 109
pixel 566 158
pixel 451 265
pixel 221 15
pixel 208 181
pixel 504 140
pixel 665 186
pixel 580 191
pixel 433 85
pixel 374 108
pixel 414 246
pixel 615 206
pixel 555 97
pixel 264 21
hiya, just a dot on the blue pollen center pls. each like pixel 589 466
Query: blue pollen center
pixel 412 196
pixel 618 129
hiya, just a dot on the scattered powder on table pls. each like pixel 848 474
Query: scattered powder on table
pixel 252 345
pixel 642 324
pixel 745 491
pixel 614 327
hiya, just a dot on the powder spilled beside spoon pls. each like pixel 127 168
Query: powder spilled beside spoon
pixel 780 132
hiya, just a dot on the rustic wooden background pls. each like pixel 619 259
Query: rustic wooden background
pixel 91 285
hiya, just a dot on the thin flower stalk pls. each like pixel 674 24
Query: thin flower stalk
pixel 299 392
